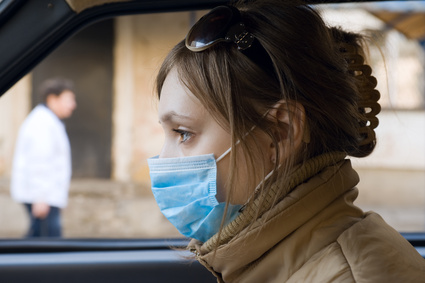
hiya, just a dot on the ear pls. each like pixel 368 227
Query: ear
pixel 292 130
pixel 51 99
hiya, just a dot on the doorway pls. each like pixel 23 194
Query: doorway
pixel 87 59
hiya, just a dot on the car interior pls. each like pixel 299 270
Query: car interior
pixel 31 31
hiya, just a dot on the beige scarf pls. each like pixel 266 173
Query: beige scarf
pixel 265 201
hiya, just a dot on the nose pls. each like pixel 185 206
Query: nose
pixel 168 150
pixel 163 153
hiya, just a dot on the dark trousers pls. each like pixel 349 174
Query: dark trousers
pixel 47 227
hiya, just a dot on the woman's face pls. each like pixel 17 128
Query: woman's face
pixel 191 130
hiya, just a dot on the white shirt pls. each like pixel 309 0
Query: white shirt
pixel 42 162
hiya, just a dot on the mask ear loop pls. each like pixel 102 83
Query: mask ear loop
pixel 230 149
pixel 237 142
pixel 225 153
pixel 257 189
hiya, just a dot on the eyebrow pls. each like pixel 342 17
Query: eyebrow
pixel 170 116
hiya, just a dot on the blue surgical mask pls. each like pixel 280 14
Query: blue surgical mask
pixel 185 189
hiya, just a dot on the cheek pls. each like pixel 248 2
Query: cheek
pixel 64 105
pixel 246 175
pixel 240 190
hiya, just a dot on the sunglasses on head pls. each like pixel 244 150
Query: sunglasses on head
pixel 224 24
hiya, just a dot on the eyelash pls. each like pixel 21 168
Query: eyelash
pixel 184 135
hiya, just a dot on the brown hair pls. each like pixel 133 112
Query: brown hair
pixel 54 86
pixel 318 67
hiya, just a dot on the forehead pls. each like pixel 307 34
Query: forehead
pixel 176 99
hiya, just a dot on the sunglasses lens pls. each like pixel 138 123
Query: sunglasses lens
pixel 209 29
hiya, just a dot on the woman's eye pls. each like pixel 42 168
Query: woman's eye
pixel 184 135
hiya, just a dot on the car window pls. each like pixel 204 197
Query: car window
pixel 392 177
pixel 115 126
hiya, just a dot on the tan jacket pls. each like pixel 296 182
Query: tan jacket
pixel 313 234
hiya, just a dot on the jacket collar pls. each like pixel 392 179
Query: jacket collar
pixel 242 243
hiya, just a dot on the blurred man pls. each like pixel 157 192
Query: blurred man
pixel 42 162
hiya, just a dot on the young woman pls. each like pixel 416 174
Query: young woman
pixel 260 105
